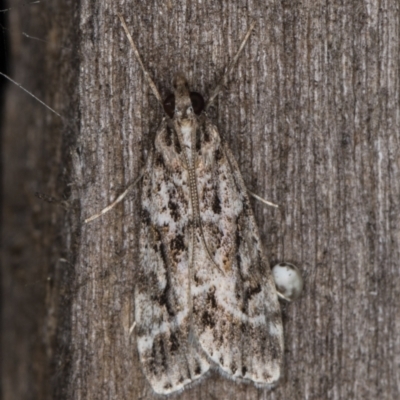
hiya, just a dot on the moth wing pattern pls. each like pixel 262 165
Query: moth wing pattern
pixel 237 316
pixel 162 313
pixel 205 295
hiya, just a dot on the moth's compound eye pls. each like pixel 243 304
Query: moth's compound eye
pixel 288 281
pixel 169 105
pixel 197 102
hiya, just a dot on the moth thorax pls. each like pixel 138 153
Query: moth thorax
pixel 187 130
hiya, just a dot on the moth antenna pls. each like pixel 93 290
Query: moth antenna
pixel 115 202
pixel 137 55
pixel 31 94
pixel 229 69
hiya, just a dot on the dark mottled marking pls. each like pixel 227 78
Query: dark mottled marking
pixel 197 370
pixel 164 298
pixel 238 260
pixel 177 246
pixel 207 137
pixel 146 217
pixel 177 144
pixel 198 140
pixel 248 294
pixel 163 354
pixel 211 298
pixel 152 360
pixel 244 370
pixel 163 254
pixel 168 136
pixel 207 319
pixel 221 360
pixel 174 342
pixel 218 154
pixel 233 368
pixel 159 160
pixel 174 210
pixel 238 242
pixel 216 206
pixel 246 207
pixel 167 386
pixel 263 343
pixel 178 243
pixel 251 291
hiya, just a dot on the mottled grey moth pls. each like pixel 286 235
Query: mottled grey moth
pixel 205 298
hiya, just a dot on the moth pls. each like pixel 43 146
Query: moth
pixel 205 297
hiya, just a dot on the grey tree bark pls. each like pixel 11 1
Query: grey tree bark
pixel 312 114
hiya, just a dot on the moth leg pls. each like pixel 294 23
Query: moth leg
pixel 131 329
pixel 137 55
pixel 230 67
pixel 116 201
pixel 268 203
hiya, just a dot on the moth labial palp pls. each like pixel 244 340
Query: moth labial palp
pixel 205 296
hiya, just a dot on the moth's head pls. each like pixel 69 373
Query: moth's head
pixel 183 104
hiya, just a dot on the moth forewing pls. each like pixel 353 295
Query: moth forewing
pixel 205 298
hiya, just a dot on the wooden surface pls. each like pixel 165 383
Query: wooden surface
pixel 312 114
